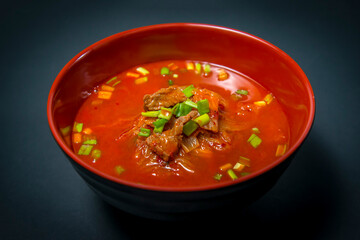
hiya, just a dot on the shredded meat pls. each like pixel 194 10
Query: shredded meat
pixel 171 144
pixel 167 144
pixel 165 97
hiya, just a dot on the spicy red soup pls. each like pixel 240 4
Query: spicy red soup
pixel 179 124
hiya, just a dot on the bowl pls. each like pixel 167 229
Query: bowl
pixel 248 54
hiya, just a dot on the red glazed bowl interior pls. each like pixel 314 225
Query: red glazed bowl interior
pixel 243 52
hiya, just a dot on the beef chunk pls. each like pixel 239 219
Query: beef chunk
pixel 166 144
pixel 165 97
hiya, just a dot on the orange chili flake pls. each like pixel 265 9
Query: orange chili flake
pixel 77 137
pixel 132 74
pixel 222 75
pixel 107 88
pixel 225 167
pixel 104 95
pixel 281 149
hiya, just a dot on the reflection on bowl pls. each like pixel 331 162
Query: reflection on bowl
pixel 240 51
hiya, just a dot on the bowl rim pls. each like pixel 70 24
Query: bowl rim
pixel 75 158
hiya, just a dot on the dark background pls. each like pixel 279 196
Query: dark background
pixel 41 196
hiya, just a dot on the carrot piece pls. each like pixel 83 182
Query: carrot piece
pixel 225 167
pixel 141 80
pixel 132 74
pixel 260 103
pixel 268 98
pixel 189 66
pixel 281 149
pixel 107 88
pixel 87 131
pixel 104 95
pixel 222 75
pixel 77 137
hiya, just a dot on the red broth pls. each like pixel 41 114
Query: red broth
pixel 108 115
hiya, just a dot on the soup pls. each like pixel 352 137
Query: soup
pixel 179 124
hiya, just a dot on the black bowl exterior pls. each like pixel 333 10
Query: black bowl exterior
pixel 168 205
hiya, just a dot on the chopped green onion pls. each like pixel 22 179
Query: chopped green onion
pixel 170 82
pixel 175 108
pixel 218 176
pixel 198 67
pixel 190 103
pixel 65 131
pixel 78 127
pixel 142 70
pixel 96 154
pixel 85 149
pixel 90 141
pixel 112 79
pixel 244 161
pixel 164 71
pixel 159 129
pixel 190 127
pixel 144 132
pixel 242 92
pixel 203 106
pixel 244 173
pixel 116 83
pixel 188 91
pixel 175 75
pixel 151 113
pixel 160 122
pixel 182 110
pixel 207 68
pixel 159 125
pixel 165 113
pixel 119 169
pixel 232 175
pixel 254 140
pixel 202 120
pixel 255 130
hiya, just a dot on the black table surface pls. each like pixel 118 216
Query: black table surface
pixel 42 197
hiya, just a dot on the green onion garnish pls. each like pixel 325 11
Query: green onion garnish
pixel 90 141
pixel 218 176
pixel 160 122
pixel 170 82
pixel 207 68
pixel 232 175
pixel 164 71
pixel 254 140
pixel 242 92
pixel 65 131
pixel 151 113
pixel 190 127
pixel 198 67
pixel 188 91
pixel 202 120
pixel 165 113
pixel 112 79
pixel 159 125
pixel 77 127
pixel 175 75
pixel 119 169
pixel 244 173
pixel 182 110
pixel 96 154
pixel 85 149
pixel 190 103
pixel 144 132
pixel 255 130
pixel 203 106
